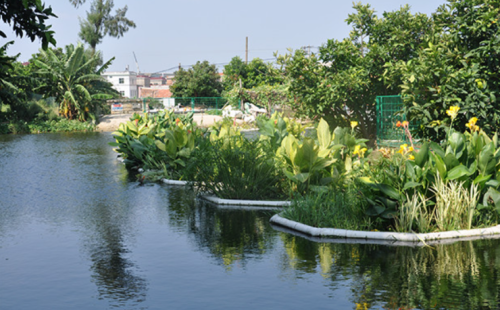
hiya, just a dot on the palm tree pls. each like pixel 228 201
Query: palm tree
pixel 78 82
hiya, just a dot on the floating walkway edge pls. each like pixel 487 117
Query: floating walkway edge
pixel 379 235
pixel 236 202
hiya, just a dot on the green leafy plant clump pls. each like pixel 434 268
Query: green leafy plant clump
pixel 331 176
pixel 334 208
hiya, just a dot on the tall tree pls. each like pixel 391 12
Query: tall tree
pixel 202 80
pixel 256 73
pixel 100 22
pixel 341 82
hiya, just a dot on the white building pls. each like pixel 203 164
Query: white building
pixel 125 82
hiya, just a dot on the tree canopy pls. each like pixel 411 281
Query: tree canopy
pixel 77 80
pixel 201 80
pixel 100 22
pixel 341 82
pixel 458 66
pixel 28 17
pixel 256 73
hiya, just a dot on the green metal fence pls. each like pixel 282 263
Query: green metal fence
pixel 389 112
pixel 196 103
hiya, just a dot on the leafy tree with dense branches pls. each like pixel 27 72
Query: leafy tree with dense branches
pixel 201 80
pixel 28 17
pixel 341 82
pixel 100 22
pixel 459 66
pixel 256 73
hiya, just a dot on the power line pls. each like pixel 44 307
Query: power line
pixel 217 64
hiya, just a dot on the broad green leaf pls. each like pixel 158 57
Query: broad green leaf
pixel 389 191
pixel 411 184
pixel 422 155
pixel 440 165
pixel 458 172
pixel 482 178
pixel 324 136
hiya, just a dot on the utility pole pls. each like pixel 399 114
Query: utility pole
pixel 246 53
pixel 308 50
pixel 179 66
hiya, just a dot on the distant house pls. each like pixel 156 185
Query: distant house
pixel 162 93
pixel 157 80
pixel 125 82
pixel 143 81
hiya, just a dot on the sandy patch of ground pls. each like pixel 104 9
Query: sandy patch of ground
pixel 110 123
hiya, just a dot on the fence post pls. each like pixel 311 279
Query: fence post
pixel 216 104
pixel 239 103
pixel 192 104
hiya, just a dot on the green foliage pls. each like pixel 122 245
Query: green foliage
pixel 164 142
pixel 44 126
pixel 100 22
pixel 437 187
pixel 79 86
pixel 463 55
pixel 471 159
pixel 339 209
pixel 238 74
pixel 28 17
pixel 236 168
pixel 265 95
pixel 202 80
pixel 341 82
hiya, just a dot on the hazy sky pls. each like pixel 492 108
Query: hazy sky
pixel 185 31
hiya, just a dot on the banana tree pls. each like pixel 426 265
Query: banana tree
pixel 78 84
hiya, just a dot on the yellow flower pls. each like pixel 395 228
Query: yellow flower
pixel 453 112
pixel 354 124
pixel 405 123
pixel 472 124
pixel 410 149
pixel 356 150
pixel 411 157
pixel 403 148
pixel 359 151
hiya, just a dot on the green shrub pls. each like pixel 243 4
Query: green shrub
pixel 236 168
pixel 343 209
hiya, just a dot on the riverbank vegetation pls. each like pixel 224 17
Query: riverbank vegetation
pixel 58 89
pixel 331 176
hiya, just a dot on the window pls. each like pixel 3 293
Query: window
pixel 122 92
pixel 121 80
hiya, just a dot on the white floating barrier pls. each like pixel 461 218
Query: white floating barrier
pixel 382 235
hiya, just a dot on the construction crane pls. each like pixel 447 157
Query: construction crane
pixel 136 64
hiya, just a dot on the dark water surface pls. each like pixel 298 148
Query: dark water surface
pixel 77 232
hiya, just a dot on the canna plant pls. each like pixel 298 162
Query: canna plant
pixel 471 158
pixel 160 142
pixel 306 161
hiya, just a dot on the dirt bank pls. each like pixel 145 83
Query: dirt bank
pixel 110 123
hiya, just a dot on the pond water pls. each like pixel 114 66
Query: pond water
pixel 78 232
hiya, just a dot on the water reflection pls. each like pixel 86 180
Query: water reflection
pixel 72 191
pixel 462 275
pixel 112 271
pixel 74 179
pixel 233 236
